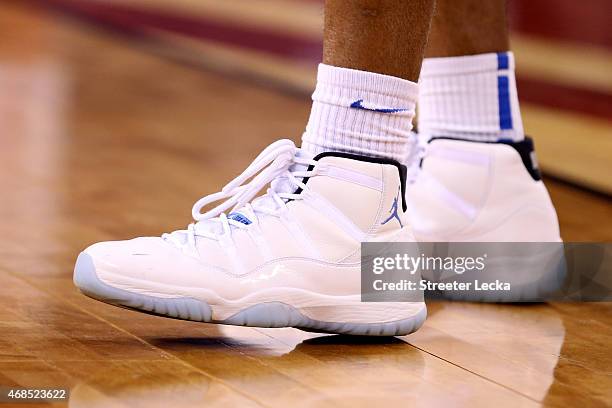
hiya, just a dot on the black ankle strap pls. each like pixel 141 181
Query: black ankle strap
pixel 524 148
pixel 402 171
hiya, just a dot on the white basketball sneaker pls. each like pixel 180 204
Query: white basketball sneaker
pixel 482 192
pixel 290 258
pixel 464 191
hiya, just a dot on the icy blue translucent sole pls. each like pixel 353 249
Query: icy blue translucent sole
pixel 269 314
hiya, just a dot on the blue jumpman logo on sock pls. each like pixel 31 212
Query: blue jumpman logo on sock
pixel 393 212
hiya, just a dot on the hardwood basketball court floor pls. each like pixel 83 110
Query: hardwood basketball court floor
pixel 100 140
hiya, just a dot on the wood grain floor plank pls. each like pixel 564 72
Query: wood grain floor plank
pixel 61 338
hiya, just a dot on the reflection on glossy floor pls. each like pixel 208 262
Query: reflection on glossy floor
pixel 99 140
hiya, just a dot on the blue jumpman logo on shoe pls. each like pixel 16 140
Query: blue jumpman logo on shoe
pixel 393 212
pixel 358 104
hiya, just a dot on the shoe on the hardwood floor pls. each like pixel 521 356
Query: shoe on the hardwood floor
pixel 466 191
pixel 290 258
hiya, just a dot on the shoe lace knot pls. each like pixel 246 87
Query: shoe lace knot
pixel 281 165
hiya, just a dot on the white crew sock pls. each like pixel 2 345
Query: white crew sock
pixel 470 97
pixel 360 112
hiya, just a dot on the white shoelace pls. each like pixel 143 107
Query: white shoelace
pixel 417 152
pixel 281 164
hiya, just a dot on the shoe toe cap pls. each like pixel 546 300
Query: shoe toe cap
pixel 139 262
pixel 85 277
pixel 139 258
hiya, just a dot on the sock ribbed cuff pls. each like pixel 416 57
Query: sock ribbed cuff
pixel 346 83
pixel 360 112
pixel 467 64
pixel 471 97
